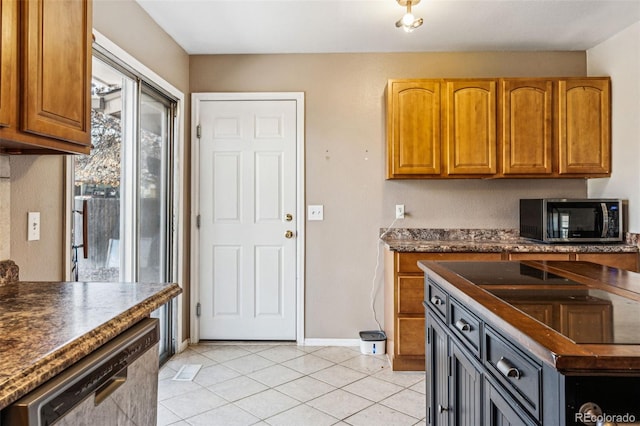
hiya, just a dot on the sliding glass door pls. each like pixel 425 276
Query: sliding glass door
pixel 123 195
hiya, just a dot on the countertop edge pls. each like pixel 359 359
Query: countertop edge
pixel 454 246
pixel 55 362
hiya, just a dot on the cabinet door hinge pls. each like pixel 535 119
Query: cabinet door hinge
pixel 198 221
pixel 198 309
pixel 449 367
pixel 428 336
pixel 198 131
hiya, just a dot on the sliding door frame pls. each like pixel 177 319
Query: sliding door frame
pixel 177 222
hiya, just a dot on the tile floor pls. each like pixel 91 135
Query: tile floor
pixel 285 384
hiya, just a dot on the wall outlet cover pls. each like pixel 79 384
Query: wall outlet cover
pixel 315 212
pixel 33 226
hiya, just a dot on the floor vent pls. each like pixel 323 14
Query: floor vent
pixel 187 372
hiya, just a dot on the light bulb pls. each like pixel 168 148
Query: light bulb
pixel 408 19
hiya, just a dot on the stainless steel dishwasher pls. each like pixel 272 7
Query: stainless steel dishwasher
pixel 115 385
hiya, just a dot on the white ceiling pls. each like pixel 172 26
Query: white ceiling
pixel 331 26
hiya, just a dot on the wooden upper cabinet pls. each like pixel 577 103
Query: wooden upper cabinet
pixel 499 128
pixel 584 128
pixel 413 128
pixel 470 127
pixel 8 34
pixel 56 97
pixel 526 115
pixel 45 81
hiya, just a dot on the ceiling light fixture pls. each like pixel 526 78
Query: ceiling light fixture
pixel 408 22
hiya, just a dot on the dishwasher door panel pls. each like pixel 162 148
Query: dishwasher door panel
pixel 117 384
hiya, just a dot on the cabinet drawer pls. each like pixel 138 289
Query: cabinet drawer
pixel 519 374
pixel 408 262
pixel 410 295
pixel 436 298
pixel 465 325
pixel 411 336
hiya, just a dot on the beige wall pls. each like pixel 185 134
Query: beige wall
pixel 345 147
pixel 37 184
pixel 619 57
pixel 127 25
pixel 5 205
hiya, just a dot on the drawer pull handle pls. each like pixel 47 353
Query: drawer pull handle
pixel 442 409
pixel 506 368
pixel 462 325
pixel 437 301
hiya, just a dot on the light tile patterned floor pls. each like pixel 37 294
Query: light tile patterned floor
pixel 284 384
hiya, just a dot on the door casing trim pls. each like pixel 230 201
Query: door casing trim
pixel 196 98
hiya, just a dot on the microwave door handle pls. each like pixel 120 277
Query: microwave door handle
pixel 605 220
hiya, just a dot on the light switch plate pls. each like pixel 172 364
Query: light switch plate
pixel 33 226
pixel 315 212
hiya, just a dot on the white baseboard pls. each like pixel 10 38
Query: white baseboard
pixel 331 342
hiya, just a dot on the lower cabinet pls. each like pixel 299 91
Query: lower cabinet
pixel 569 317
pixel 454 379
pixel 479 374
pixel 499 410
pixel 404 293
pixel 472 372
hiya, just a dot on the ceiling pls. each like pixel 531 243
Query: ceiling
pixel 332 26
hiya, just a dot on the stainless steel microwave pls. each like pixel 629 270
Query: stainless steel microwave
pixel 572 220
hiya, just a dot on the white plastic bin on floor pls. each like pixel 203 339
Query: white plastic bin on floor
pixel 373 342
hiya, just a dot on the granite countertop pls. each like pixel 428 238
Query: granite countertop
pixel 485 241
pixel 45 327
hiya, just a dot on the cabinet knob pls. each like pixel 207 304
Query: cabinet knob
pixel 436 300
pixel 442 409
pixel 462 325
pixel 508 369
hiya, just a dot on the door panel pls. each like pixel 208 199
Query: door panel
pixel 247 189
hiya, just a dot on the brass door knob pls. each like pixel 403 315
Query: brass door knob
pixel 288 234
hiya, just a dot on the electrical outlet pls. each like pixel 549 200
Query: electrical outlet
pixel 399 211
pixel 315 212
pixel 33 224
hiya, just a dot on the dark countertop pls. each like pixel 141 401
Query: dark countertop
pixel 45 327
pixel 547 344
pixel 485 241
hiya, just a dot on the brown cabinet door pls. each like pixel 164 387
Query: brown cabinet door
pixel 541 311
pixel 8 58
pixel 56 98
pixel 627 261
pixel 413 128
pixel 410 295
pixel 540 256
pixel 410 336
pixel 470 127
pixel 526 111
pixel 584 126
pixel 588 322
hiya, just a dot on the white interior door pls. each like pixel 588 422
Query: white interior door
pixel 248 217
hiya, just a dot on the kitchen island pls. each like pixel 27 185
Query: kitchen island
pixel 404 247
pixel 47 327
pixel 531 342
